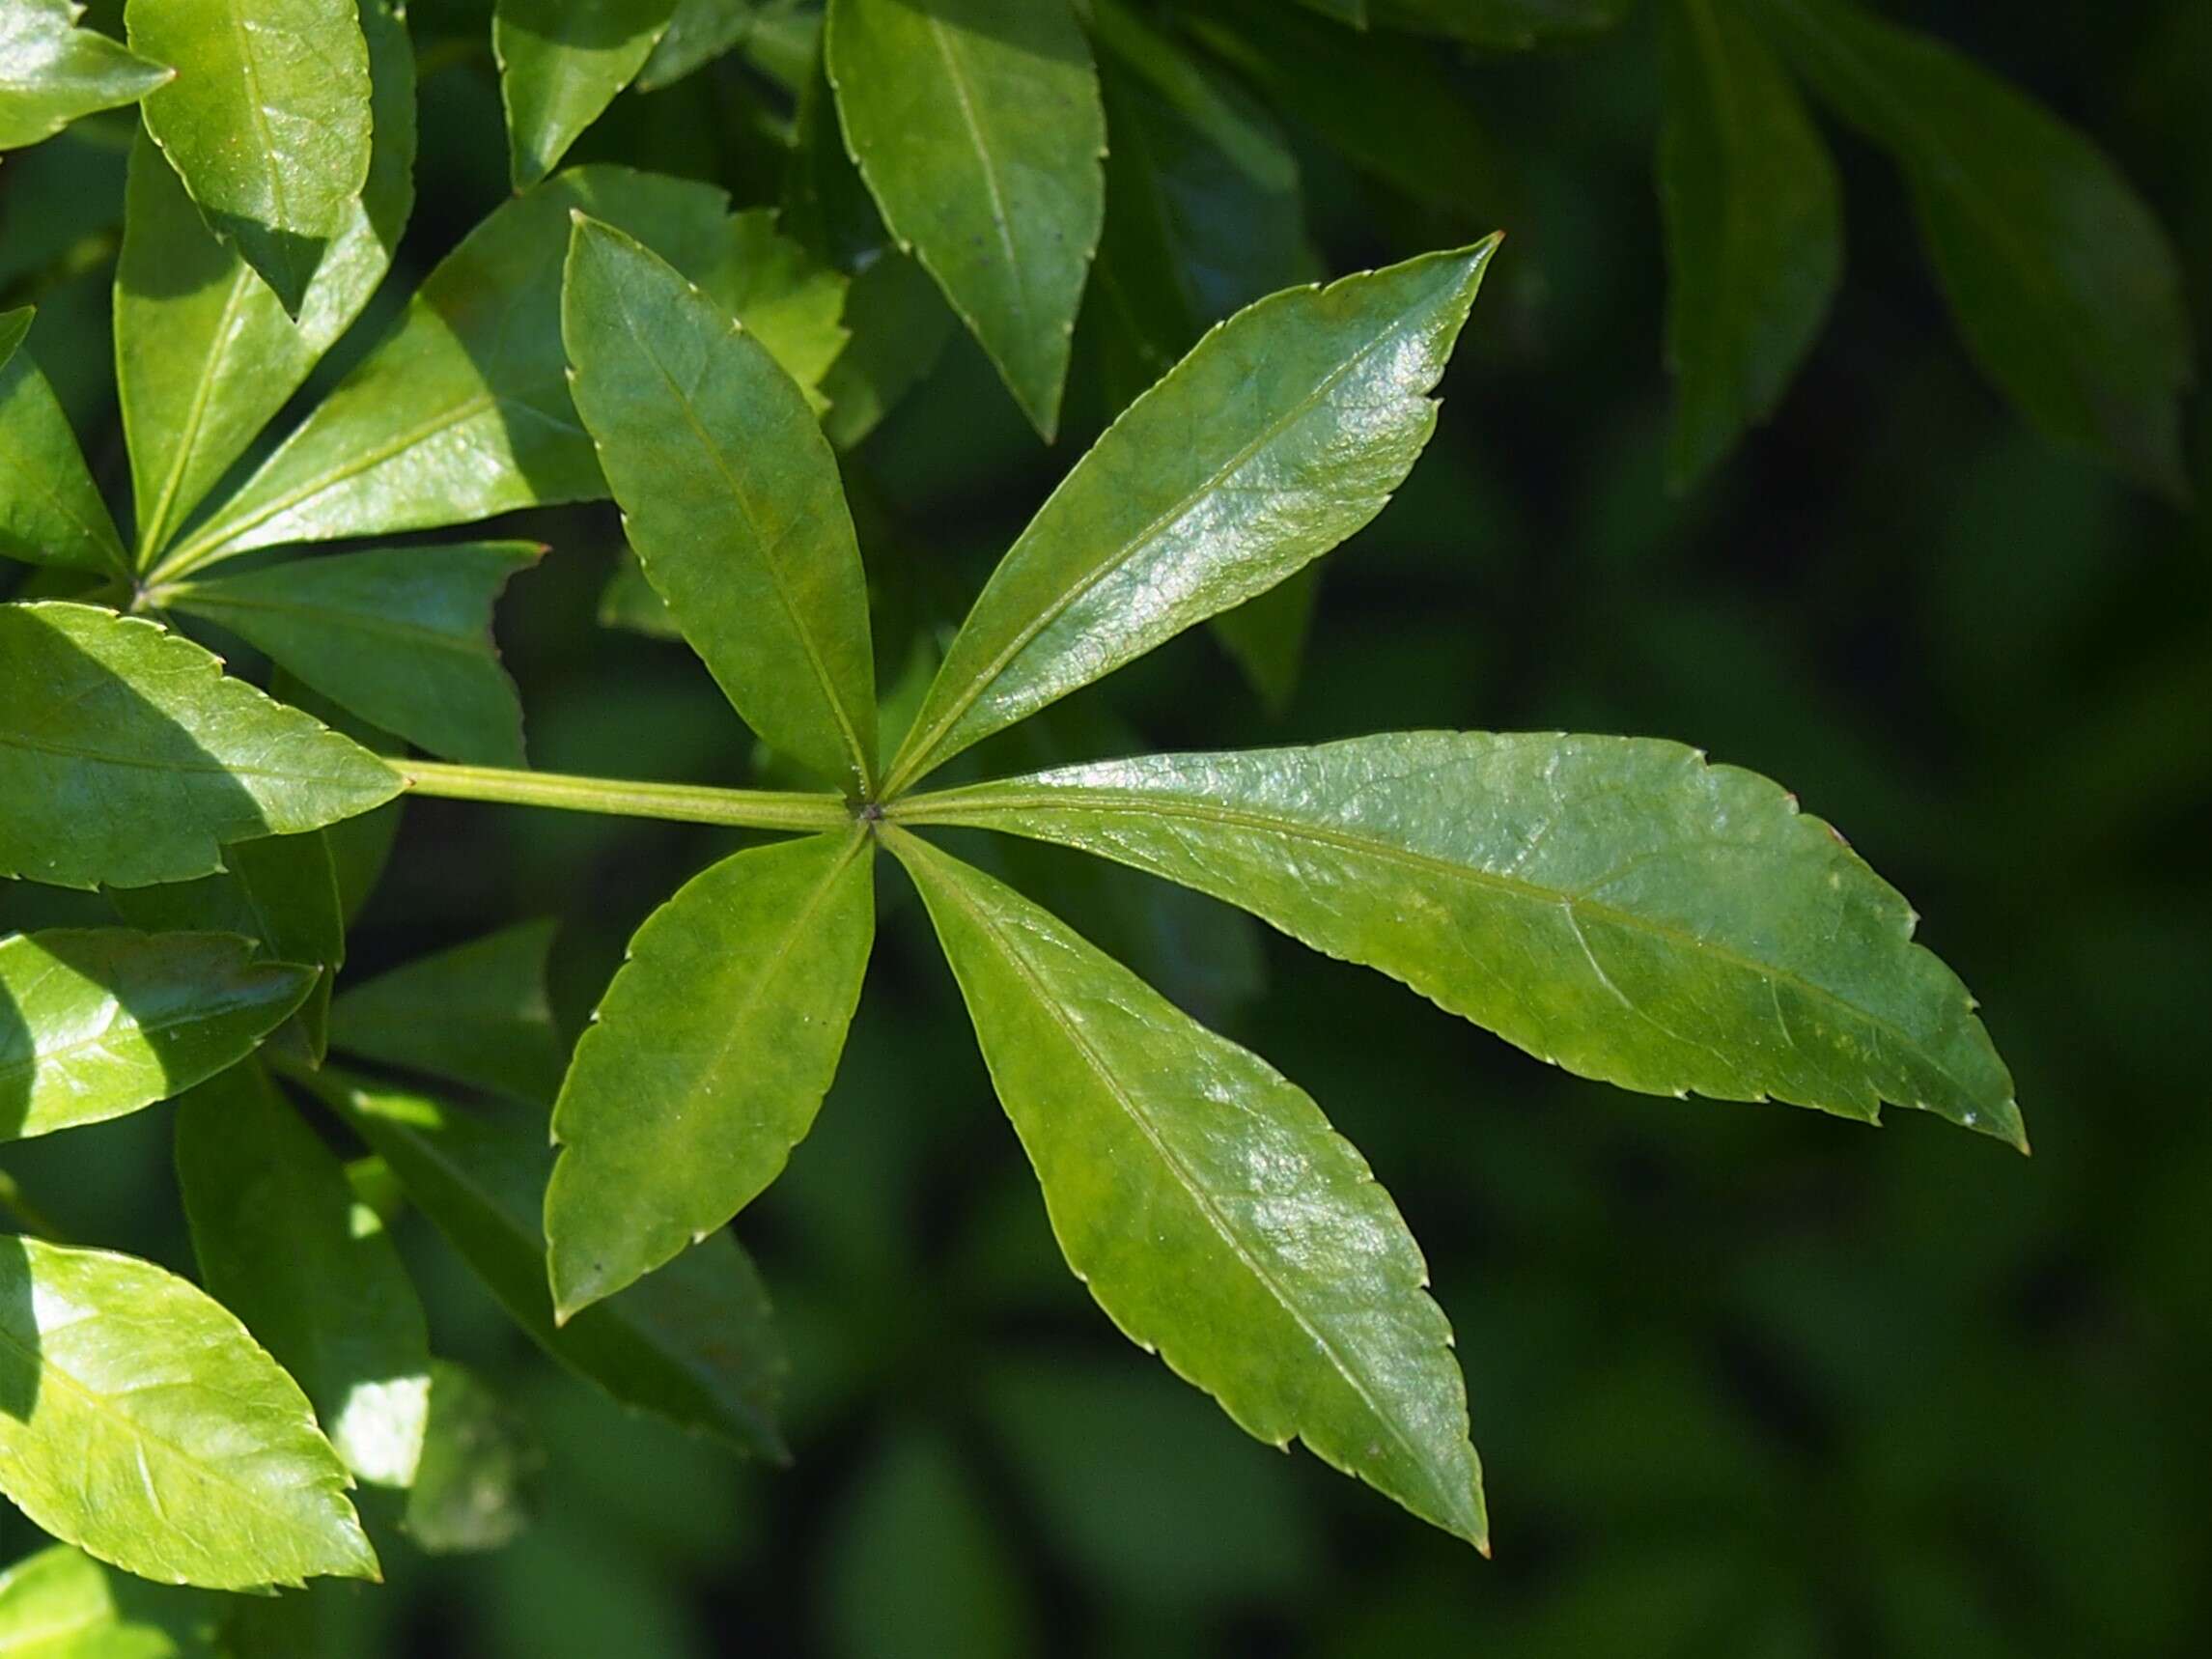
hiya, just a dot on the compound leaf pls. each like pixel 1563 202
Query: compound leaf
pixel 977 127
pixel 561 62
pixel 707 1059
pixel 1754 229
pixel 1209 1206
pixel 1283 431
pixel 400 636
pixel 283 1243
pixel 1616 905
pixel 2062 281
pixel 268 121
pixel 128 757
pixel 99 1022
pixel 731 497
pixel 205 356
pixel 692 1343
pixel 140 1423
pixel 51 71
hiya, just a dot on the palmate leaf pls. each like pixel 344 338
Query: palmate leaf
pixel 268 121
pixel 127 757
pixel 280 889
pixel 99 1022
pixel 1284 431
pixel 140 1423
pixel 2063 283
pixel 561 62
pixel 707 1059
pixel 476 1014
pixel 1754 229
pixel 62 1604
pixel 401 636
pixel 1209 1206
pixel 283 1243
pixel 731 497
pixel 692 1343
pixel 50 509
pixel 1616 905
pixel 205 355
pixel 462 411
pixel 51 71
pixel 977 127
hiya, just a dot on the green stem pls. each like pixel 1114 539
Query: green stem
pixel 676 803
pixel 34 1220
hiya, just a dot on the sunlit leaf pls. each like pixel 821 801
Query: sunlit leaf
pixel 204 352
pixel 140 1423
pixel 561 62
pixel 1283 431
pixel 62 1604
pixel 1207 1205
pixel 99 1022
pixel 731 496
pixel 51 71
pixel 268 121
pixel 127 757
pixel 978 128
pixel 707 1057
pixel 1616 905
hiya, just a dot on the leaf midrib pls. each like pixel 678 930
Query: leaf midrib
pixel 1130 548
pixel 1141 804
pixel 1183 1177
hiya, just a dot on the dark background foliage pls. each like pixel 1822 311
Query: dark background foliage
pixel 1747 1381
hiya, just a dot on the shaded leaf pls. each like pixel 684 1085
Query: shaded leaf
pixel 99 1022
pixel 50 509
pixel 899 326
pixel 51 71
pixel 280 889
pixel 462 411
pixel 1388 105
pixel 707 1057
pixel 691 1343
pixel 1266 636
pixel 480 1460
pixel 977 127
pixel 266 123
pixel 1616 905
pixel 1283 431
pixel 1503 25
pixel 127 756
pixel 205 355
pixel 561 62
pixel 476 1013
pixel 140 1423
pixel 2063 282
pixel 62 1604
pixel 14 326
pixel 628 601
pixel 401 636
pixel 791 303
pixel 700 31
pixel 1209 1206
pixel 283 1243
pixel 731 496
pixel 1754 230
